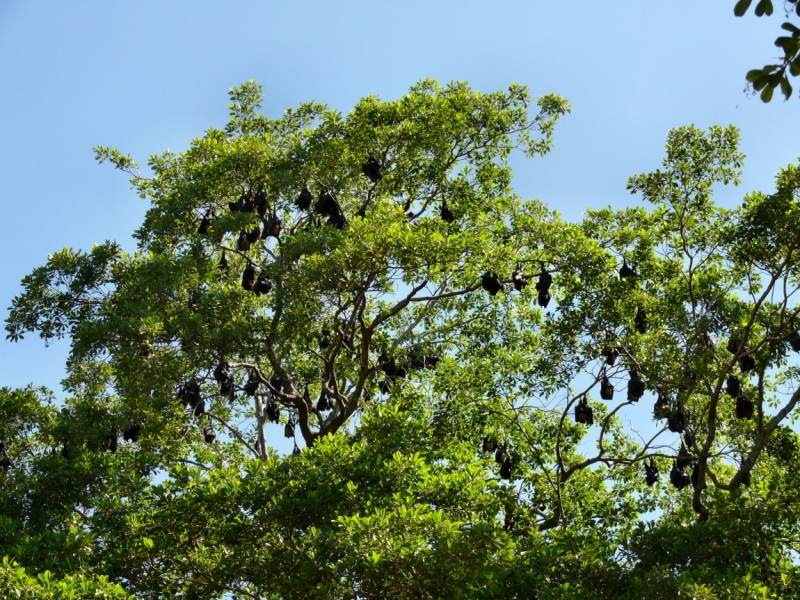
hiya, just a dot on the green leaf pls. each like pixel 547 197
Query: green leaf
pixel 786 87
pixel 766 93
pixel 753 75
pixel 764 7
pixel 794 67
pixel 759 83
pixel 791 27
pixel 741 7
pixel 775 79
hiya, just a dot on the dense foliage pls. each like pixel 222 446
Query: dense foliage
pixel 469 377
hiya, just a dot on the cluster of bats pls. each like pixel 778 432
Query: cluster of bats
pixel 327 207
pixel 257 203
pixel 190 396
pixel 131 434
pixel 664 407
pixel 491 282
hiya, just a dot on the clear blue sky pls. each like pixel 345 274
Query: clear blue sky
pixel 145 76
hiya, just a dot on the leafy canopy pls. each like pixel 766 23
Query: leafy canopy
pixel 442 454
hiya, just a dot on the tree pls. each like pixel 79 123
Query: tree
pixel 768 78
pixel 432 339
pixel 15 583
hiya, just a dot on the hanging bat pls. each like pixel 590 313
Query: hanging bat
pixel 303 201
pixel 205 223
pixel 272 227
pixel 625 271
pixel 261 203
pixel 372 169
pixel 263 285
pixel 326 205
pixel 445 213
pixel 518 278
pixel 243 243
pixel 110 441
pixel 249 277
pixel 254 235
pixel 491 283
pixel 131 434
pixel 208 433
